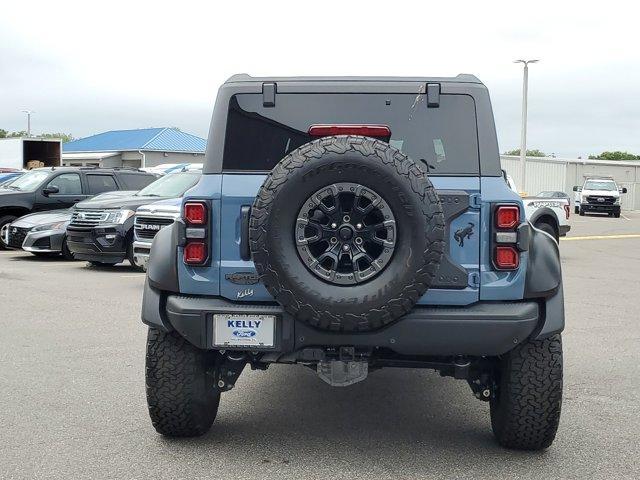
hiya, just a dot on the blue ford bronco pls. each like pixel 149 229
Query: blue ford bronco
pixel 350 224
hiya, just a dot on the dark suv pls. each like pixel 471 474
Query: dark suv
pixel 55 188
pixel 101 229
pixel 347 225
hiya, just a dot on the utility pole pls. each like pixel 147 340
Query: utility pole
pixel 523 135
pixel 28 112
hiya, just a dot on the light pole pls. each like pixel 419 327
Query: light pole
pixel 28 112
pixel 523 135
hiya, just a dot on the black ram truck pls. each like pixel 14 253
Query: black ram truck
pixel 101 229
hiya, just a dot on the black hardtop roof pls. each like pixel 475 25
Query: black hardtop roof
pixel 460 78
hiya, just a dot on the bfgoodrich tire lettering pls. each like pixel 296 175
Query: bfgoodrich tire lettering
pixel 526 410
pixel 181 396
pixel 418 249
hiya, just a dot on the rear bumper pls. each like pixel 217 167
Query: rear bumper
pixel 107 244
pixel 483 329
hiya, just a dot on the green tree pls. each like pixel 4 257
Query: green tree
pixel 65 137
pixel 21 133
pixel 530 153
pixel 617 155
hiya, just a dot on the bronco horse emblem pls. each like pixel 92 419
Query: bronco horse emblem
pixel 463 233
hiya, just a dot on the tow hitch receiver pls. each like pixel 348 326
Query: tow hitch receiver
pixel 345 370
pixel 338 373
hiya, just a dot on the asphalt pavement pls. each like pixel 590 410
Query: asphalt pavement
pixel 72 401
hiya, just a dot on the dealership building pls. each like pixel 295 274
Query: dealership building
pixel 140 148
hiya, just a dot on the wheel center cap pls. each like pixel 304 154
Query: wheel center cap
pixel 345 233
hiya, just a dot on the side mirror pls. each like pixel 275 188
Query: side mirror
pixel 50 190
pixel 575 188
pixel 623 190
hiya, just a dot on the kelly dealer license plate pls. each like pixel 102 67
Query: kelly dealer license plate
pixel 232 330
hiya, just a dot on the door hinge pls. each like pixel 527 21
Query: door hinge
pixel 474 279
pixel 475 200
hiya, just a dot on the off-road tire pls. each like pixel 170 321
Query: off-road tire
pixel 181 396
pixel 4 220
pixel 617 214
pixel 581 212
pixel 576 210
pixel 418 251
pixel 525 411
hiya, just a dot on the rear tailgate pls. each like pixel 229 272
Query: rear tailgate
pixel 457 282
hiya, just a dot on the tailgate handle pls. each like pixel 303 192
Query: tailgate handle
pixel 245 213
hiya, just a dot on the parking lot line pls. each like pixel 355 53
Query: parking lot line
pixel 601 237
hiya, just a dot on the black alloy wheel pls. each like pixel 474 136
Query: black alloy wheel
pixel 345 233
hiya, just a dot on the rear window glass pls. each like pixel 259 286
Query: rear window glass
pixel 101 183
pixel 444 138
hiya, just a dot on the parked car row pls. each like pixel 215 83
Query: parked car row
pixel 73 218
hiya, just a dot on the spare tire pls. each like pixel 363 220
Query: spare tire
pixel 346 233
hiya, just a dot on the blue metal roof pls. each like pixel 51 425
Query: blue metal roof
pixel 146 139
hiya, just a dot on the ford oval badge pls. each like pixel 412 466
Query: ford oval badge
pixel 244 333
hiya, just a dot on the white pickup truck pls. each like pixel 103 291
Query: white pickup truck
pixel 551 215
pixel 600 195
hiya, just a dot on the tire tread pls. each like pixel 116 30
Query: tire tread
pixel 526 414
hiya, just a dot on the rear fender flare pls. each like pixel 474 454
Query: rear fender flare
pixel 162 268
pixel 544 271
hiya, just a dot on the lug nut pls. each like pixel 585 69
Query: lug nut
pixel 358 226
pixel 346 219
pixel 333 240
pixel 334 225
pixel 486 393
pixel 359 240
pixel 221 383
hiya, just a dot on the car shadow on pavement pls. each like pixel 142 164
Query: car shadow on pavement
pixel 124 267
pixel 52 258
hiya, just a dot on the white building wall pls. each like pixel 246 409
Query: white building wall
pixel 562 174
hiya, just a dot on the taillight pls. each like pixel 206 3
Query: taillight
pixel 506 219
pixel 195 253
pixel 507 257
pixel 195 213
pixel 196 219
pixel 507 216
pixel 376 131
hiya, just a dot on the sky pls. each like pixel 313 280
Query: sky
pixel 87 67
